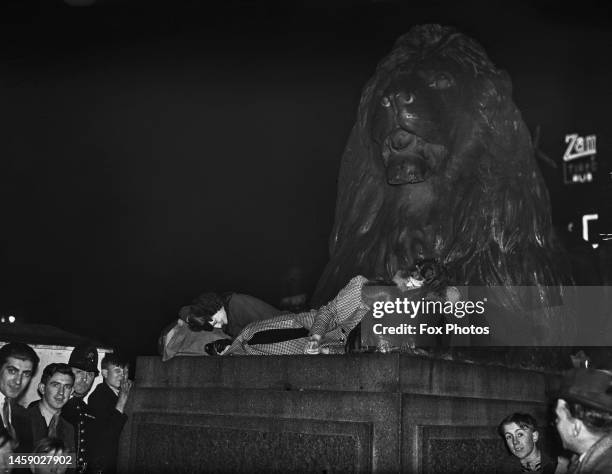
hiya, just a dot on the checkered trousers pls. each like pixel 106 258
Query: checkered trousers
pixel 333 322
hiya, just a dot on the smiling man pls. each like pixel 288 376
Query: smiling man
pixel 18 363
pixel 521 435
pixel 55 388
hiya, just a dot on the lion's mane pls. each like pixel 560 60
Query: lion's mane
pixel 488 214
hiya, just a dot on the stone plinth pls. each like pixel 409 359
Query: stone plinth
pixel 350 413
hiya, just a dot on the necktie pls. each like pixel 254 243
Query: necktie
pixel 6 415
pixel 52 431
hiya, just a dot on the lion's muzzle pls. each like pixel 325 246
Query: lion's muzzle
pixel 403 158
pixel 406 169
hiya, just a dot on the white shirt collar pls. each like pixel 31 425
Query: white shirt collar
pixel 3 397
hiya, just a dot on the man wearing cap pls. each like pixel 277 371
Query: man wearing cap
pixel 84 364
pixel 584 420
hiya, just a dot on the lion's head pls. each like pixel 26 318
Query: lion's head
pixel 440 165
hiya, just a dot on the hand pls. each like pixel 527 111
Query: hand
pixel 124 393
pixel 218 347
pixel 314 345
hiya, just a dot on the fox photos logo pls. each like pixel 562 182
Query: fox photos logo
pixel 579 159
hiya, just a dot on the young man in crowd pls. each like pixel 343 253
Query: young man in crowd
pixel 55 388
pixel 584 420
pixel 84 365
pixel 107 405
pixel 520 432
pixel 18 363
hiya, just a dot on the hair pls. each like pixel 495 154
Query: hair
pixel 113 359
pixel 597 421
pixel 524 420
pixel 19 350
pixel 204 307
pixel 49 445
pixel 56 368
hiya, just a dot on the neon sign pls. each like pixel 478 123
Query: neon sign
pixel 579 160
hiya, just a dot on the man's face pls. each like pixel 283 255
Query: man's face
pixel 113 375
pixel 564 424
pixel 82 381
pixel 219 319
pixel 520 441
pixel 57 390
pixel 15 376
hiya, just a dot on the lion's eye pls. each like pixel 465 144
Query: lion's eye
pixel 441 81
pixel 385 102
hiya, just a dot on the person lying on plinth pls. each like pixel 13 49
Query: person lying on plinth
pixel 326 329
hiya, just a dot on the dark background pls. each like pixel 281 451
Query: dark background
pixel 152 151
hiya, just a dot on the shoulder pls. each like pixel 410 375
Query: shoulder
pixel 66 425
pixel 99 391
pixel 18 409
pixel 102 397
pixel 548 462
pixel 32 410
pixel 73 405
pixel 509 464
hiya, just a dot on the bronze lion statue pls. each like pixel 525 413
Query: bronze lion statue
pixel 440 164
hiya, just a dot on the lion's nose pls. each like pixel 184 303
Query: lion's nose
pixel 404 109
pixel 401 139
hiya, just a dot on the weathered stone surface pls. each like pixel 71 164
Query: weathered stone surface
pixel 374 373
pixel 353 413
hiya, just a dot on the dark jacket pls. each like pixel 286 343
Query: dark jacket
pixel 77 414
pixel 106 430
pixel 512 464
pixel 597 460
pixel 243 310
pixel 65 431
pixel 23 428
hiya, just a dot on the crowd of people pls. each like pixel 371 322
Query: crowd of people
pixel 583 422
pixel 61 431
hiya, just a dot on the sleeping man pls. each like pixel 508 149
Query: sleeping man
pixel 325 330
pixel 209 324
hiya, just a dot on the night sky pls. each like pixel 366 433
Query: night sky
pixel 154 151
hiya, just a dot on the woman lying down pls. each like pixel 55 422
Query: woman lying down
pixel 318 331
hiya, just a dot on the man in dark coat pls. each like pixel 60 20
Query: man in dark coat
pixel 84 364
pixel 107 405
pixel 18 363
pixel 584 420
pixel 55 388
